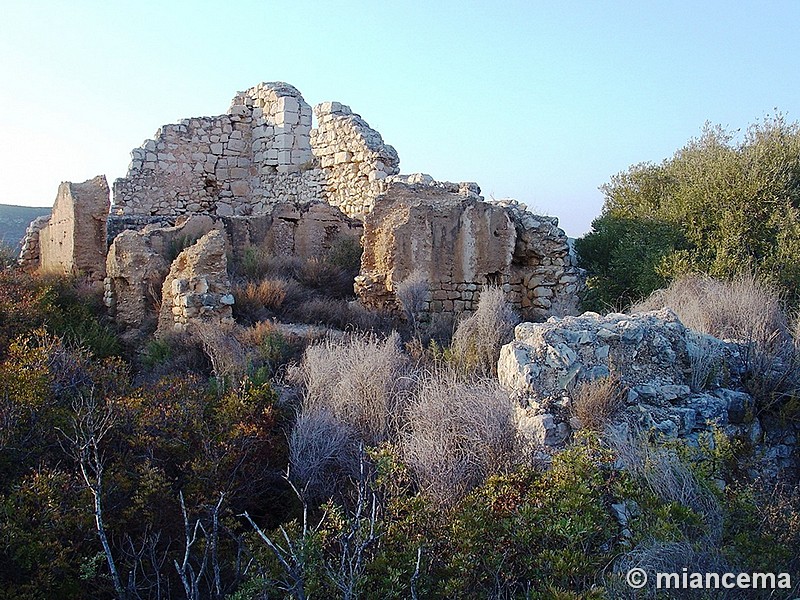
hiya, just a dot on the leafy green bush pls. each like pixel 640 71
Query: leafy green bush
pixel 718 206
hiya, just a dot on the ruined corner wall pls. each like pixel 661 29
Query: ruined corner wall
pixel 139 261
pixel 459 244
pixel 73 239
pixel 544 277
pixel 137 264
pixel 262 152
pixel 354 158
pixel 197 288
pixel 233 164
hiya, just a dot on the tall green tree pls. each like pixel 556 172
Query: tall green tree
pixel 724 203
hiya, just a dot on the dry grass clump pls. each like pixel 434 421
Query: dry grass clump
pixel 670 479
pixel 174 352
pixel 227 354
pixel 323 454
pixel 327 278
pixel 457 434
pixel 705 359
pixel 745 308
pixel 354 395
pixel 411 294
pixel 341 314
pixel 667 557
pixel 358 381
pixel 748 311
pixel 478 338
pixel 596 402
pixel 256 301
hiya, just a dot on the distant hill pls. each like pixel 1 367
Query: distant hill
pixel 15 219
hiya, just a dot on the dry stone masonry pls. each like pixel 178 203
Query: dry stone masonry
pixel 267 177
pixel 353 156
pixel 29 255
pixel 197 288
pixel 678 382
pixel 261 153
pixel 460 243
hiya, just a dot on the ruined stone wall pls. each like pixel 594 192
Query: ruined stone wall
pixel 459 244
pixel 197 288
pixel 353 156
pixel 138 261
pixel 188 167
pixel 29 252
pixel 137 264
pixel 73 241
pixel 262 152
pixel 544 278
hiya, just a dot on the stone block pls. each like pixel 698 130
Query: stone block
pixel 287 118
pixel 288 104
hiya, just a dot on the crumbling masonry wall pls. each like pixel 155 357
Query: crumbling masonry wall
pixel 354 158
pixel 72 240
pixel 261 153
pixel 460 244
pixel 268 178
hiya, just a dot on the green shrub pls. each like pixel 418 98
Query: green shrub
pixel 719 206
pixel 345 253
pixel 178 245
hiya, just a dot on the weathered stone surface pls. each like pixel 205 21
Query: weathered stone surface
pixel 651 353
pixel 353 156
pixel 74 239
pixel 648 352
pixel 308 231
pixel 459 244
pixel 29 252
pixel 138 263
pixel 197 288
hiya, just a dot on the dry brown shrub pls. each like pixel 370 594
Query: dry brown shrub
pixel 323 454
pixel 358 380
pixel 269 297
pixel 327 278
pixel 257 334
pixel 745 308
pixel 752 313
pixel 478 338
pixel 341 314
pixel 596 402
pixel 412 293
pixel 457 434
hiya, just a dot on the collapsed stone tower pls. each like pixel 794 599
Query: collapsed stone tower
pixel 265 176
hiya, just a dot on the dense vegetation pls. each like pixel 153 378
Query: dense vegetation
pixel 724 204
pixel 162 473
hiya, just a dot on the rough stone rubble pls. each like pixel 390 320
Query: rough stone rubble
pixel 678 382
pixel 460 244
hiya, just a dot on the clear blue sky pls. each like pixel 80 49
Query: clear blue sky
pixel 532 100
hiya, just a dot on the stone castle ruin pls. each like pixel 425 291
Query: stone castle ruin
pixel 265 175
